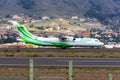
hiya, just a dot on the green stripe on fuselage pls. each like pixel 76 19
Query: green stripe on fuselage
pixel 29 38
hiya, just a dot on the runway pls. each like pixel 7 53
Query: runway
pixel 58 50
pixel 60 62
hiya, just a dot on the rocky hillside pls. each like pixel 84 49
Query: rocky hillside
pixel 104 10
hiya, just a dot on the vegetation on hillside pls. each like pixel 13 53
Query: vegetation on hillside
pixel 107 11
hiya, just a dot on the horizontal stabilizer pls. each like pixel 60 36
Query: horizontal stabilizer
pixel 13 22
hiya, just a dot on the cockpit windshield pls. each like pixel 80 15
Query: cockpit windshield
pixel 97 40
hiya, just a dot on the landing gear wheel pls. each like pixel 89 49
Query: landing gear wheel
pixel 63 47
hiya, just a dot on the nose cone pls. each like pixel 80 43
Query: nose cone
pixel 101 43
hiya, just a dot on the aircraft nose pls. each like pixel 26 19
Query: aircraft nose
pixel 101 43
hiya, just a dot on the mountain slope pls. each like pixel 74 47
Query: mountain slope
pixel 104 10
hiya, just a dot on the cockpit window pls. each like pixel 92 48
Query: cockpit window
pixel 96 40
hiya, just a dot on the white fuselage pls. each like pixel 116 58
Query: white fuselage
pixel 77 42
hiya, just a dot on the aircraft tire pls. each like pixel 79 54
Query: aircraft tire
pixel 63 47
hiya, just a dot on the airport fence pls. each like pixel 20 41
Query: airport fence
pixel 40 78
pixel 31 75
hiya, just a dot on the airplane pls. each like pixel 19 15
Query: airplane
pixel 63 41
